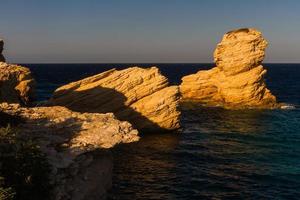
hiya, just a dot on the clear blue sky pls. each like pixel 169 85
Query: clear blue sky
pixel 142 30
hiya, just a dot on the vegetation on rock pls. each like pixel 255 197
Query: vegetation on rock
pixel 24 169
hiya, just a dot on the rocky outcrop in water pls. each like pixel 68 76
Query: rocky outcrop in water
pixel 238 79
pixel 16 84
pixel 74 144
pixel 140 96
pixel 2 59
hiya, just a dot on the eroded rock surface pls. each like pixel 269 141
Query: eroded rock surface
pixel 140 96
pixel 72 142
pixel 238 79
pixel 16 84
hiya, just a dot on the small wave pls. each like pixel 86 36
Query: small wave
pixel 288 107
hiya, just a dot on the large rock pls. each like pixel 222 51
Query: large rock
pixel 140 96
pixel 72 142
pixel 238 79
pixel 16 84
pixel 2 59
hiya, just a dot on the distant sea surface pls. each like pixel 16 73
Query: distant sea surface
pixel 220 154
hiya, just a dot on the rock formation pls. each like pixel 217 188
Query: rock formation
pixel 2 59
pixel 140 96
pixel 16 84
pixel 70 141
pixel 238 79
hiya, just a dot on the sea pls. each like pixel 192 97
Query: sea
pixel 218 154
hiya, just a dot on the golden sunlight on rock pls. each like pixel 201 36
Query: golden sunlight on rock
pixel 238 79
pixel 16 84
pixel 140 96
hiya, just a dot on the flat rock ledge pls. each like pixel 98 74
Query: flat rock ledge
pixel 74 144
pixel 237 81
pixel 16 84
pixel 140 96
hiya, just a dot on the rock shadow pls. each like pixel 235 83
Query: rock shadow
pixel 2 59
pixel 84 173
pixel 220 120
pixel 104 100
pixel 7 119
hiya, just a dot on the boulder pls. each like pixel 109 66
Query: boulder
pixel 75 145
pixel 140 96
pixel 16 84
pixel 2 59
pixel 238 79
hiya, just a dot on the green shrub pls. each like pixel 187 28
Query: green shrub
pixel 6 193
pixel 24 169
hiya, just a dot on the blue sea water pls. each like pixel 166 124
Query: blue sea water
pixel 220 154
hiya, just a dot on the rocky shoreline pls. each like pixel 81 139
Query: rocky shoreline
pixel 83 119
pixel 75 146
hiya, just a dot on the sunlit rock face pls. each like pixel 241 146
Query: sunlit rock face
pixel 16 84
pixel 238 79
pixel 140 96
pixel 240 51
pixel 74 144
pixel 2 59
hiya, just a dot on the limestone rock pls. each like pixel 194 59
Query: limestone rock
pixel 2 59
pixel 238 79
pixel 80 132
pixel 16 84
pixel 140 96
pixel 240 51
pixel 72 142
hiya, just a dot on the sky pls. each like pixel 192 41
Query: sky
pixel 142 31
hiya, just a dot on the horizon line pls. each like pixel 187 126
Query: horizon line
pixel 137 62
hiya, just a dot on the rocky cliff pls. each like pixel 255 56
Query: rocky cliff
pixel 74 144
pixel 140 96
pixel 2 59
pixel 238 79
pixel 16 84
